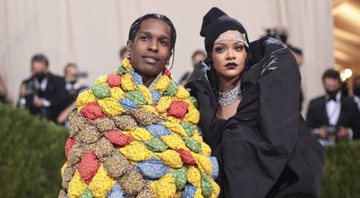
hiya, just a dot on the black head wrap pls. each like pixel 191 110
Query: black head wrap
pixel 216 22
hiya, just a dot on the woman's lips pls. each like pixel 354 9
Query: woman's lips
pixel 231 65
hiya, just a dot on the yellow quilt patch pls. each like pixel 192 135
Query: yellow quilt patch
pixel 140 134
pixel 174 142
pixel 170 158
pixel 111 106
pixel 164 187
pixel 117 93
pixel 76 186
pixel 85 98
pixel 162 83
pixel 101 184
pixel 136 151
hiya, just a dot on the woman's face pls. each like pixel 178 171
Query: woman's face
pixel 151 48
pixel 229 59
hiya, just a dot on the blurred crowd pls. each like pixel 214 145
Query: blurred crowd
pixel 46 94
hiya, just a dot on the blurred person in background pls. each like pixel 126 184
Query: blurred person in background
pixel 72 88
pixel 43 93
pixel 281 34
pixel 197 56
pixel 3 91
pixel 333 117
pixel 356 91
pixel 64 114
pixel 123 53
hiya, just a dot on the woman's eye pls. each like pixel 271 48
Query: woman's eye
pixel 219 49
pixel 239 48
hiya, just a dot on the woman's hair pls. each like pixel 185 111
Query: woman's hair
pixel 134 28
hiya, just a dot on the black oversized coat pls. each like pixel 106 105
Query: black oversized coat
pixel 265 149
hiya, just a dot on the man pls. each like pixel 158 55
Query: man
pixel 197 56
pixel 43 93
pixel 72 85
pixel 333 117
pixel 356 91
pixel 125 107
pixel 123 53
pixel 72 89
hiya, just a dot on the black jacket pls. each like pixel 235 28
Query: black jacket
pixel 55 93
pixel 266 149
pixel 349 115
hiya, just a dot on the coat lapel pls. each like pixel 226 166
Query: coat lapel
pixel 323 113
pixel 342 112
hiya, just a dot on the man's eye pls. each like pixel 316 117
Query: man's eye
pixel 164 43
pixel 144 38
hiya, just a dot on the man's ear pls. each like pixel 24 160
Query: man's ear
pixel 129 46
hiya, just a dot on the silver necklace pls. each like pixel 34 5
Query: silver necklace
pixel 229 96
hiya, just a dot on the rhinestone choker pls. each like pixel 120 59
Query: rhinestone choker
pixel 229 96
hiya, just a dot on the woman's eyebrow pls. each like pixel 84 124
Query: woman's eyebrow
pixel 220 43
pixel 239 42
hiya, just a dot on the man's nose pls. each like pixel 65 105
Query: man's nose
pixel 153 45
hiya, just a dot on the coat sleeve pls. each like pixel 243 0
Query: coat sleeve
pixel 279 106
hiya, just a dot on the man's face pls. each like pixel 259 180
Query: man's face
pixel 331 84
pixel 197 58
pixel 38 67
pixel 151 49
pixel 71 74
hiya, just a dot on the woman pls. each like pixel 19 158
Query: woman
pixel 248 100
pixel 134 133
